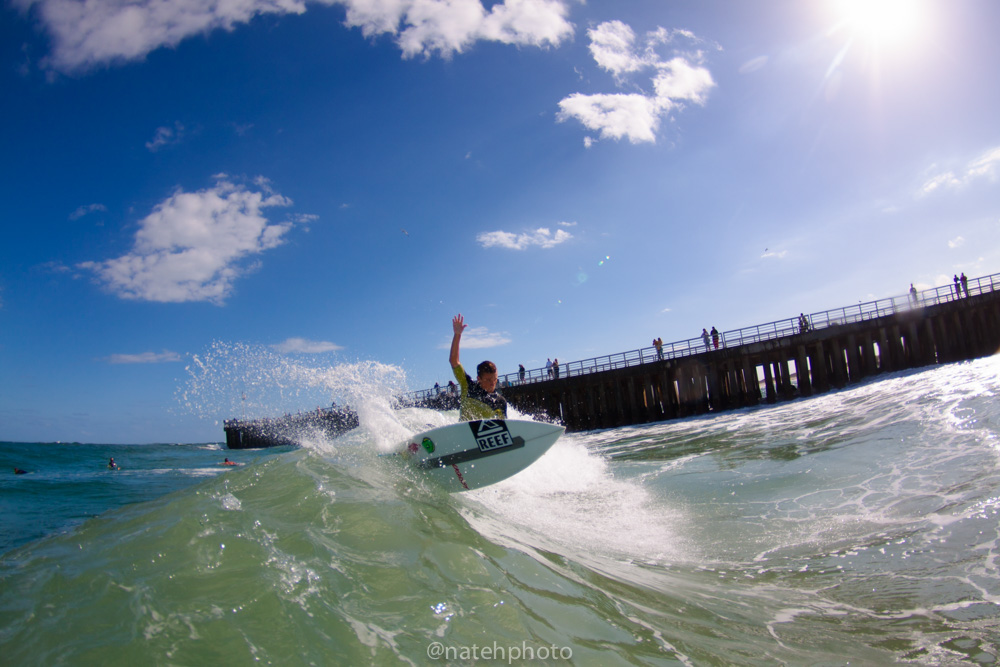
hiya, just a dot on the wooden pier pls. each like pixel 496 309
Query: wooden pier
pixel 798 357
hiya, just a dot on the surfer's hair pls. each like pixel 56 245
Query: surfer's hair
pixel 486 367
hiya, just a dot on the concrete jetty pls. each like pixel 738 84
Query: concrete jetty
pixel 778 361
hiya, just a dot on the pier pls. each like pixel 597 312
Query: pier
pixel 289 430
pixel 802 356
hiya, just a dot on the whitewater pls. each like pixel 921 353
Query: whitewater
pixel 857 527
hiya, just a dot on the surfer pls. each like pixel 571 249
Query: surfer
pixel 18 471
pixel 227 462
pixel 112 465
pixel 479 399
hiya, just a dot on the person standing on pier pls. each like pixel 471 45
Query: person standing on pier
pixel 479 399
pixel 704 337
pixel 913 295
pixel 715 337
pixel 958 287
pixel 965 284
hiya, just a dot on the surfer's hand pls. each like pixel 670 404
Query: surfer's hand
pixel 458 324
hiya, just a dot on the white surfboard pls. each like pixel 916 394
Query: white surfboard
pixel 471 455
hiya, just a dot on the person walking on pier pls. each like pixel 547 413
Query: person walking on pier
pixel 479 399
pixel 658 344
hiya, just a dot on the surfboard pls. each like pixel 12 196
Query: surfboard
pixel 471 455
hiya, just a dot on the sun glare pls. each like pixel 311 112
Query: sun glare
pixel 882 23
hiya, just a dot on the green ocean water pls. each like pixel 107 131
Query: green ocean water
pixel 858 527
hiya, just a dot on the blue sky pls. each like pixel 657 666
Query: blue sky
pixel 199 194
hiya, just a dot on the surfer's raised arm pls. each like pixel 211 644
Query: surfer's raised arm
pixel 458 325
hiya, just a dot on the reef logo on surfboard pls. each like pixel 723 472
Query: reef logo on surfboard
pixel 491 434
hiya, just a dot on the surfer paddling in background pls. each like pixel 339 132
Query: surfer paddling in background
pixel 479 399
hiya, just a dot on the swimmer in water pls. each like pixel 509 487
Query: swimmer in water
pixel 112 465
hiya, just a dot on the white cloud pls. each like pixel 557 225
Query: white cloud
pixel 956 242
pixel 474 338
pixel 613 46
pixel 614 116
pixel 984 166
pixel 84 210
pixel 165 136
pixel 193 246
pixel 145 358
pixel 303 346
pixel 637 115
pixel 101 32
pixel 423 27
pixel 528 22
pixel 946 179
pixel 541 237
pixel 678 79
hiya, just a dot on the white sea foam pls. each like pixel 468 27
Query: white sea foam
pixel 571 497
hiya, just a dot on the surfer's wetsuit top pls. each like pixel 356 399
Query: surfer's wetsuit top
pixel 476 402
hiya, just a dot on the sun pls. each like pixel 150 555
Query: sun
pixel 882 24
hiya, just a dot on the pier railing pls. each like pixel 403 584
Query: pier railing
pixel 733 338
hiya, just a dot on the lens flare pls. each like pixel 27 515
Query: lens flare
pixel 883 23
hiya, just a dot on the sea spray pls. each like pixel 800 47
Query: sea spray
pixel 238 380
